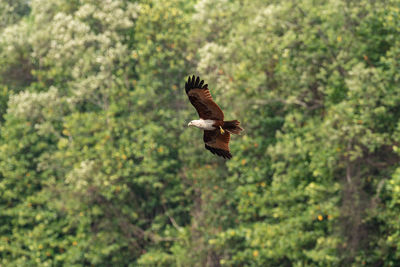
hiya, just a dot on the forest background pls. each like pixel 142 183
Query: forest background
pixel 98 168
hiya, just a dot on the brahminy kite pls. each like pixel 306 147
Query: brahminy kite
pixel 216 130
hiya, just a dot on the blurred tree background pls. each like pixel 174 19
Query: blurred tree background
pixel 97 167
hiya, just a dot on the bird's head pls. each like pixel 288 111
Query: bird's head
pixel 190 124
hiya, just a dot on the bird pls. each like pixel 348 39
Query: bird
pixel 216 131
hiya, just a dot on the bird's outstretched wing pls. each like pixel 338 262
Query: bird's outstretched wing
pixel 217 143
pixel 201 99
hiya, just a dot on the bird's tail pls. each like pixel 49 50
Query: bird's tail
pixel 232 127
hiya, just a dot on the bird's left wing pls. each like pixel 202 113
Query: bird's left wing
pixel 201 99
pixel 217 143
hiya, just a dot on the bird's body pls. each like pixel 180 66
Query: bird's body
pixel 216 130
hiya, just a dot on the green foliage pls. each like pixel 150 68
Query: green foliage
pixel 97 166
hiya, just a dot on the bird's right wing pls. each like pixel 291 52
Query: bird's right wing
pixel 201 99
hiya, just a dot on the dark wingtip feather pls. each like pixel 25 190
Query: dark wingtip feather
pixel 194 83
pixel 220 152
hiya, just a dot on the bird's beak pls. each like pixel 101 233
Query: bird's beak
pixel 189 124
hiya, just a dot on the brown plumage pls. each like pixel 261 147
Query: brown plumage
pixel 217 143
pixel 204 104
pixel 216 130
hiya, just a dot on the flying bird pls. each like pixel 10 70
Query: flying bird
pixel 216 131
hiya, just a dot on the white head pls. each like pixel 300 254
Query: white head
pixel 203 124
pixel 192 123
